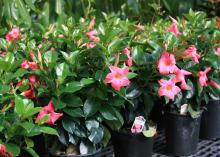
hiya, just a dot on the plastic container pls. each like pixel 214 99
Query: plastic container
pixel 132 145
pixel 182 134
pixel 210 123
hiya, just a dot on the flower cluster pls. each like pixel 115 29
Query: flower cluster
pixel 3 152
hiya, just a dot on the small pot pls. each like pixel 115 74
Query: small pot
pixel 210 123
pixel 132 145
pixel 182 134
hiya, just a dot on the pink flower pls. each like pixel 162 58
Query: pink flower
pixel 191 53
pixel 3 53
pixel 180 77
pixel 19 84
pixel 91 35
pixel 60 36
pixel 214 84
pixel 29 93
pixel 128 53
pixel 218 23
pixel 49 109
pixel 33 65
pixel 26 64
pixel 90 45
pixel 91 23
pixel 203 78
pixel 2 150
pixel 118 77
pixel 139 27
pixel 33 79
pixel 173 20
pixel 217 51
pixel 168 88
pixel 13 34
pixel 31 55
pixel 173 28
pixel 166 63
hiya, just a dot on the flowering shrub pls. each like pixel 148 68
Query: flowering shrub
pixel 17 97
pixel 86 78
pixel 189 55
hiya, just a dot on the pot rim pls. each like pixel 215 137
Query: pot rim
pixel 71 155
pixel 183 116
pixel 132 134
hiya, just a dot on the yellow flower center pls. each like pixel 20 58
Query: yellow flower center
pixel 168 62
pixel 168 87
pixel 117 76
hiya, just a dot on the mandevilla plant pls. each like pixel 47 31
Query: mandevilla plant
pixel 187 58
pixel 17 110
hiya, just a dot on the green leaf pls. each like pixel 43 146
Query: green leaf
pixel 4 89
pixel 62 71
pixel 23 12
pixel 200 88
pixel 106 137
pixel 107 112
pixel 32 112
pixel 88 81
pixel 28 126
pixel 191 91
pixel 59 9
pixel 91 124
pixel 68 125
pixel 72 101
pixel 131 75
pixel 19 105
pixel 48 130
pixel 29 142
pixel 114 45
pixel 74 112
pixel 90 107
pixel 50 58
pixel 96 135
pixel 13 148
pixel 20 72
pixel 71 87
pixel 43 119
pixel 99 76
pixel 193 113
pixel 58 104
pixel 32 152
pixel 86 147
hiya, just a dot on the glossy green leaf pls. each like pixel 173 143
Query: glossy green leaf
pixel 90 107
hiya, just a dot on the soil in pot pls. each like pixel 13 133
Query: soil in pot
pixel 132 145
pixel 182 134
pixel 210 123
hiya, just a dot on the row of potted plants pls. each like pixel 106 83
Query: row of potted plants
pixel 81 83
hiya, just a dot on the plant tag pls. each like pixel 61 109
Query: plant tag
pixel 183 109
pixel 138 124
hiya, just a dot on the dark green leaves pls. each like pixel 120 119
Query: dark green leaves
pixel 90 107
pixel 74 112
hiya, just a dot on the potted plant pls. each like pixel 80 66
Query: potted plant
pixel 74 81
pixel 137 139
pixel 180 66
pixel 18 109
pixel 211 90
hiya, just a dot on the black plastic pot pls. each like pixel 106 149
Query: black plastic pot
pixel 210 123
pixel 132 145
pixel 182 134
